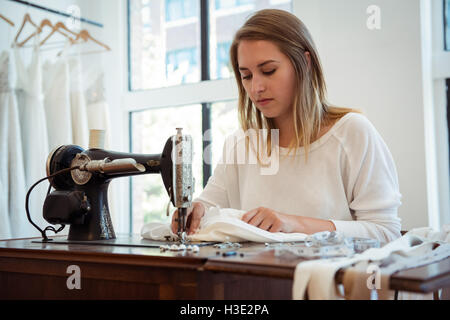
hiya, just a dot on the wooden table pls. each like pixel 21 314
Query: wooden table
pixel 30 270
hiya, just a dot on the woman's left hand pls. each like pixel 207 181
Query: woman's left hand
pixel 270 220
pixel 274 221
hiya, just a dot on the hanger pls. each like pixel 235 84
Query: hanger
pixel 84 34
pixel 7 20
pixel 44 23
pixel 55 28
pixel 26 18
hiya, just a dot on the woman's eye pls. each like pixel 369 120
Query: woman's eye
pixel 268 73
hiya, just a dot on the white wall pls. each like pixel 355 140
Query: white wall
pixel 380 72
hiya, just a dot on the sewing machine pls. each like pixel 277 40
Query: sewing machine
pixel 81 179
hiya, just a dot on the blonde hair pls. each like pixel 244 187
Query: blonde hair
pixel 310 109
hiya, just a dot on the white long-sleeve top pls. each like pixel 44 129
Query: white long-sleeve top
pixel 349 178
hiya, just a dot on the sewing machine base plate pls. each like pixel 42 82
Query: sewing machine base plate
pixel 122 241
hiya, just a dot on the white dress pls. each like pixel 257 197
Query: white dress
pixel 5 226
pixel 13 222
pixel 97 108
pixel 80 131
pixel 34 130
pixel 57 102
pixel 98 119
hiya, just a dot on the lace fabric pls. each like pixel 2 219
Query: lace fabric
pixel 4 72
pixel 33 125
pixel 13 222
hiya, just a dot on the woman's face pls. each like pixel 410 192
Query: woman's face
pixel 268 77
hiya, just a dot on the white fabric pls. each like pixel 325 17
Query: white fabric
pixel 33 130
pixel 57 103
pixel 80 131
pixel 316 277
pixel 356 277
pixel 222 225
pixel 349 178
pixel 6 102
pixel 13 222
pixel 431 234
pixel 98 109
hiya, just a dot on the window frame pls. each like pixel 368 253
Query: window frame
pixel 436 69
pixel 446 26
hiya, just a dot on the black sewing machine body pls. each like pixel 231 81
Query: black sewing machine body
pixel 80 198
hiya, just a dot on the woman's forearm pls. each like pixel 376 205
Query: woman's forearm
pixel 309 225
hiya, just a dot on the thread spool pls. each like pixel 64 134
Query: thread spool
pixel 96 139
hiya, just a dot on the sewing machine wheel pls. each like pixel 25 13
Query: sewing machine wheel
pixel 80 177
pixel 61 158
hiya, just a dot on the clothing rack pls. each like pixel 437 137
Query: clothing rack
pixel 27 3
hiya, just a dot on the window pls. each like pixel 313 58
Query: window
pixel 447 86
pixel 181 9
pixel 224 69
pixel 224 121
pixel 226 4
pixel 447 48
pixel 149 201
pixel 174 46
pixel 182 66
pixel 162 50
pixel 226 17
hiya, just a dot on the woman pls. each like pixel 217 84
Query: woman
pixel 334 172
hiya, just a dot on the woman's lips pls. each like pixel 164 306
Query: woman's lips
pixel 263 102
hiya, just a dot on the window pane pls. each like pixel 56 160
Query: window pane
pixel 150 131
pixel 181 9
pixel 226 17
pixel 224 121
pixel 447 24
pixel 164 43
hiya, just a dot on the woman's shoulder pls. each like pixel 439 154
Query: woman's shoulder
pixel 356 131
pixel 353 123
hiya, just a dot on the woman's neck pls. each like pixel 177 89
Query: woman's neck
pixel 286 131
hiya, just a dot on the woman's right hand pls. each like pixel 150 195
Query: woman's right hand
pixel 193 216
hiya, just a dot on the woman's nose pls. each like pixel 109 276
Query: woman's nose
pixel 258 85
